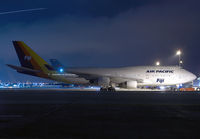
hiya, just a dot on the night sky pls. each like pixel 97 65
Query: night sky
pixel 103 33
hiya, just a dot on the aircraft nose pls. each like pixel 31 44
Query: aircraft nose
pixel 193 77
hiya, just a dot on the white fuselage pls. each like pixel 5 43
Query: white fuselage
pixel 144 75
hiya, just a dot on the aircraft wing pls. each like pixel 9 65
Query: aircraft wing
pixel 124 79
pixel 114 78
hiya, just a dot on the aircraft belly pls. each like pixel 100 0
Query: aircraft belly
pixel 78 80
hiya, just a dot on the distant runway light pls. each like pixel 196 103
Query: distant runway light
pixel 24 10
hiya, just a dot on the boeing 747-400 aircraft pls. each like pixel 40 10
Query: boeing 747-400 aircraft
pixel 106 78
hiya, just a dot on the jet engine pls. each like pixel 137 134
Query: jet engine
pixel 129 84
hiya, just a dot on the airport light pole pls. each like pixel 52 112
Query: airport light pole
pixel 157 63
pixel 179 57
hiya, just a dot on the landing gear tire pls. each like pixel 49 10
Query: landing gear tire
pixel 107 89
pixel 111 89
pixel 103 89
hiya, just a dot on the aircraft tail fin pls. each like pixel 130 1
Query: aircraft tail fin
pixel 56 64
pixel 29 59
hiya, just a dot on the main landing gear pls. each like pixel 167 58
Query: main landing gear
pixel 107 89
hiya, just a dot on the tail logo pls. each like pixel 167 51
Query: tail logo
pixel 28 58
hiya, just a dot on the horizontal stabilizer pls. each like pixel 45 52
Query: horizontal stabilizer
pixel 22 69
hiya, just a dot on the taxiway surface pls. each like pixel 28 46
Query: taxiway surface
pixel 71 114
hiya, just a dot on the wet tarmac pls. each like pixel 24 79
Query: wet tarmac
pixel 81 114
